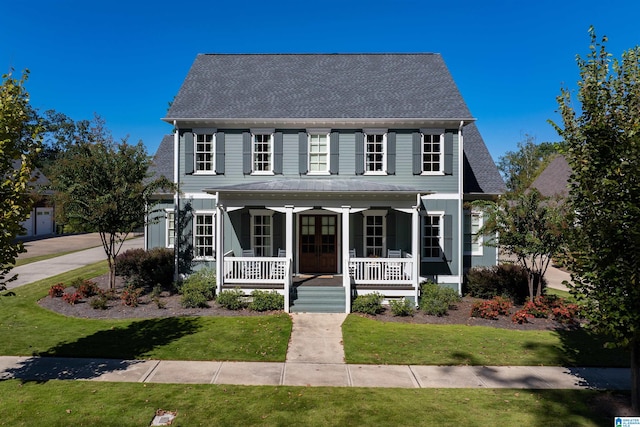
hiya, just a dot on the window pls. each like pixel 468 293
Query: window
pixel 204 153
pixel 374 153
pixel 432 236
pixel 261 232
pixel 374 233
pixel 472 239
pixel 203 235
pixel 431 153
pixel 262 152
pixel 170 228
pixel 318 153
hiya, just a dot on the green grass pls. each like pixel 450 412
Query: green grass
pixel 63 403
pixel 372 342
pixel 28 329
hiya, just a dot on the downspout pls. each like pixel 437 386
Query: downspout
pixel 176 201
pixel 460 206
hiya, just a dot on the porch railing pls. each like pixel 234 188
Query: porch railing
pixel 381 271
pixel 258 270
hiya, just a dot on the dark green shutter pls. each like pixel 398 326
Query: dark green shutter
pixel 189 159
pixel 448 237
pixel 302 153
pixel 416 143
pixel 448 153
pixel 392 241
pixel 246 153
pixel 220 152
pixel 391 153
pixel 277 153
pixel 245 231
pixel 359 153
pixel 278 233
pixel 334 149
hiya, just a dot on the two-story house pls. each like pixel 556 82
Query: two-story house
pixel 339 173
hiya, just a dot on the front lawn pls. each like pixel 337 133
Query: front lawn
pixel 28 329
pixel 81 403
pixel 370 341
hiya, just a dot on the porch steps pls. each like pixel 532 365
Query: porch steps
pixel 318 299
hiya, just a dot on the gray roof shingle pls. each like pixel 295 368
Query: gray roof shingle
pixel 298 86
pixel 480 172
pixel 162 164
pixel 554 179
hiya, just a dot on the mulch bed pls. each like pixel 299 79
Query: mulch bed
pixel 459 315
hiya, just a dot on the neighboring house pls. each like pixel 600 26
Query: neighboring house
pixel 554 179
pixel 350 170
pixel 41 220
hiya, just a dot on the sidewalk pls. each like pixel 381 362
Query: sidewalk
pixel 313 374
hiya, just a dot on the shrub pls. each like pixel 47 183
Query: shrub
pixel 436 300
pixel 566 314
pixel 368 304
pixel 266 301
pixel 491 309
pixel 508 280
pixel 521 316
pixel 99 302
pixel 130 296
pixel 71 298
pixel 56 290
pixel 148 268
pixel 155 297
pixel 231 299
pixel 198 288
pixel 87 288
pixel 402 307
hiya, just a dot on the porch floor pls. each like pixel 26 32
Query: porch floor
pixel 317 280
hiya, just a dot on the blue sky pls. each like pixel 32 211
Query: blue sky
pixel 125 60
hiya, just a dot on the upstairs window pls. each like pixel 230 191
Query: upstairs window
pixel 262 153
pixel 375 154
pixel 204 153
pixel 432 154
pixel 319 154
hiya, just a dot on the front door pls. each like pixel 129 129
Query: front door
pixel 318 249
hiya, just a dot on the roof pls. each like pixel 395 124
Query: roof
pixel 162 164
pixel 480 172
pixel 553 180
pixel 333 86
pixel 328 185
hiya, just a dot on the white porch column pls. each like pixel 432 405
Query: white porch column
pixel 289 249
pixel 346 279
pixel 415 247
pixel 219 247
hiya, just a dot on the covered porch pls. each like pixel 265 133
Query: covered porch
pixel 318 229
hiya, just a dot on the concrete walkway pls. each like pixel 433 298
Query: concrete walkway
pixel 312 374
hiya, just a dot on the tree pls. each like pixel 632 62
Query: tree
pixel 19 132
pixel 602 135
pixel 520 168
pixel 529 227
pixel 102 186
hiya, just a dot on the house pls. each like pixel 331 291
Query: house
pixel 41 221
pixel 345 171
pixel 553 181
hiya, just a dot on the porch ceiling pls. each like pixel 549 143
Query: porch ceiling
pixel 318 188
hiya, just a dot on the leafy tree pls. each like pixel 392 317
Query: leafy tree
pixel 602 134
pixel 520 168
pixel 529 227
pixel 19 132
pixel 103 187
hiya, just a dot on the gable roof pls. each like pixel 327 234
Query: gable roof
pixel 162 164
pixel 554 179
pixel 480 172
pixel 332 86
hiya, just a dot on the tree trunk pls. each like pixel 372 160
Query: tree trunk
pixel 530 283
pixel 112 273
pixel 635 374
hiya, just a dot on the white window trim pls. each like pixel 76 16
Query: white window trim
pixel 169 226
pixel 384 154
pixel 382 213
pixel 440 235
pixel 195 154
pixel 480 241
pixel 271 152
pixel 195 240
pixel 261 212
pixel 309 171
pixel 431 173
